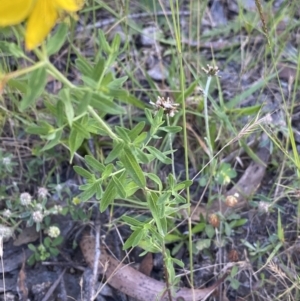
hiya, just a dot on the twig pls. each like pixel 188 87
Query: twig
pixel 97 252
pixel 53 286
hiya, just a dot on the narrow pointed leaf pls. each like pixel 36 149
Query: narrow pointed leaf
pixel 94 164
pixel 132 167
pixel 109 195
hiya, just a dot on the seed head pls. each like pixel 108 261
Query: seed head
pixel 6 232
pixel 169 107
pixel 264 206
pixel 214 220
pixel 37 216
pixel 53 231
pixel 6 161
pixel 233 255
pixel 57 209
pixel 7 213
pixel 25 199
pixel 231 201
pixel 42 193
pixel 211 70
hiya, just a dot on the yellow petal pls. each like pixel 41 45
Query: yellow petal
pixel 14 11
pixel 69 5
pixel 40 23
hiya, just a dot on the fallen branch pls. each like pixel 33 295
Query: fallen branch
pixel 135 284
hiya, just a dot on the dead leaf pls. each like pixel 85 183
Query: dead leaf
pixel 146 265
pixel 21 282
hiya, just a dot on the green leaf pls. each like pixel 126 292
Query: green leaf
pixel 117 148
pixel 84 100
pixel 109 195
pixel 227 229
pixel 47 242
pixel 65 97
pixel 83 66
pixel 108 170
pixel 198 228
pixel 57 40
pixel 117 83
pixel 105 104
pixel 132 221
pixel 159 155
pixel 140 139
pixel 131 188
pixel 149 116
pixel 134 239
pixel 210 231
pixel 203 244
pixel 89 192
pixel 57 241
pixel 59 113
pixel 12 48
pixel 98 69
pixel 54 141
pixel 119 187
pixel 54 251
pixel 132 167
pixel 75 141
pixel 245 111
pixel 17 84
pixel 83 172
pixel 133 134
pixel 81 126
pixel 123 133
pixel 142 157
pixel 171 129
pixel 155 211
pixel 183 185
pixel 102 41
pixel 36 85
pixel 132 100
pixel 43 128
pixel 31 259
pixel 31 247
pixel 115 45
pixel 155 179
pixel 178 262
pixel 94 164
pixel 238 223
pixel 163 198
pixel 235 284
pixel 88 81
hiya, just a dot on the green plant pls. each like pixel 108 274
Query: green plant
pixel 45 250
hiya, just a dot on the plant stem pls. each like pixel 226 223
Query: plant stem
pixel 206 117
pixel 103 124
pixel 171 148
pixel 18 73
pixel 177 32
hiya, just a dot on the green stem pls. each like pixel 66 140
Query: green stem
pixel 103 124
pixel 171 148
pixel 206 117
pixel 24 71
pixel 176 24
pixel 58 75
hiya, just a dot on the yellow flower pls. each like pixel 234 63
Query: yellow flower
pixel 41 16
